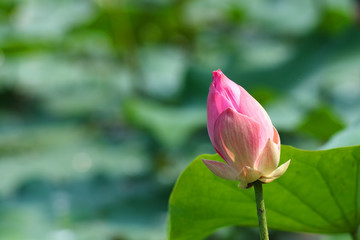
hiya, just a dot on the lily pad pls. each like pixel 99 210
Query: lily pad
pixel 319 193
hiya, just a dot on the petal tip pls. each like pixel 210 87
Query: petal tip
pixel 217 73
pixel 217 77
pixel 221 169
pixel 269 158
pixel 276 173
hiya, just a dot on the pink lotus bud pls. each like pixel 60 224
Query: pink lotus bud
pixel 242 134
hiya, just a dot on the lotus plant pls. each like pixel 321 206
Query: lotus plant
pixel 243 135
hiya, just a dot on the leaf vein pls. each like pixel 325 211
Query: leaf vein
pixel 309 206
pixel 304 223
pixel 335 199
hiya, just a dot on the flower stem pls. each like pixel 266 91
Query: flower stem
pixel 260 206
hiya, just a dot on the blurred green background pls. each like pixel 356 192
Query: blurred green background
pixel 103 102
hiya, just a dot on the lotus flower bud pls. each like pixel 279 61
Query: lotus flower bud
pixel 242 134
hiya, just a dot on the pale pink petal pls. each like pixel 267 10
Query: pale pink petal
pixel 248 175
pixel 276 173
pixel 236 137
pixel 269 158
pixel 276 138
pixel 243 184
pixel 222 170
pixel 250 107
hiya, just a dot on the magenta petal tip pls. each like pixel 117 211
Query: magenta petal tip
pixel 217 74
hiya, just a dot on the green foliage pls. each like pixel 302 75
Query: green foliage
pixel 103 103
pixel 171 127
pixel 322 123
pixel 319 193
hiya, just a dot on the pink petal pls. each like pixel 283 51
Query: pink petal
pixel 250 107
pixel 269 158
pixel 216 104
pixel 276 138
pixel 222 170
pixel 248 175
pixel 234 96
pixel 276 173
pixel 223 94
pixel 236 137
pixel 226 87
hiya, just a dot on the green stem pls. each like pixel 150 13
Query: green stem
pixel 260 206
pixel 355 235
